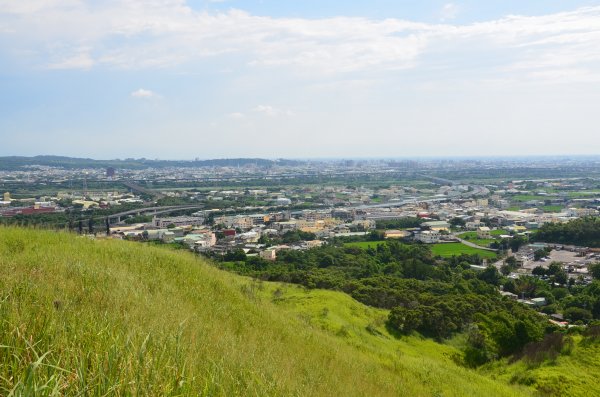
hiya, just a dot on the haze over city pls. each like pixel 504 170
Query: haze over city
pixel 184 79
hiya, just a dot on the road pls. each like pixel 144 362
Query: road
pixel 470 244
pixel 141 189
pixel 152 210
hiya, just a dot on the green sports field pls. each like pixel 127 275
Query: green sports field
pixel 451 249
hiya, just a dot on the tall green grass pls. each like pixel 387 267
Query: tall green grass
pixel 99 318
pixel 574 374
pixel 451 249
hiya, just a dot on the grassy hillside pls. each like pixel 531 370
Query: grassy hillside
pixel 116 318
pixel 363 327
pixel 574 374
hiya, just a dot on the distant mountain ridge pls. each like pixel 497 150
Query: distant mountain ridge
pixel 21 162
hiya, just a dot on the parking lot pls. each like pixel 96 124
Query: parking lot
pixel 568 258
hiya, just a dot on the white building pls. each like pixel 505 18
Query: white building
pixel 428 236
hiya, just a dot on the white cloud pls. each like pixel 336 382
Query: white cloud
pixel 137 34
pixel 236 115
pixel 33 6
pixel 271 111
pixel 144 94
pixel 449 12
pixel 81 60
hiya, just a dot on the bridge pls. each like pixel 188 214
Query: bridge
pixel 438 180
pixel 116 218
pixel 135 187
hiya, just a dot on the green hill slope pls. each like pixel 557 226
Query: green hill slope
pixel 117 318
pixel 574 374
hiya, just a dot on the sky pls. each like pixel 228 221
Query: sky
pixel 184 79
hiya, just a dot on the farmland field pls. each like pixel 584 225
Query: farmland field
pixel 364 244
pixel 452 249
pixel 472 237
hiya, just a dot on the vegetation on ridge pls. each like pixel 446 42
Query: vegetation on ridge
pixel 110 317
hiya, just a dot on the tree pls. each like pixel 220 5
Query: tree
pixel 490 275
pixel 516 242
pixel 327 260
pixel 509 285
pixel 582 231
pixel 486 221
pixel 405 320
pixel 539 254
pixel 511 261
pixel 554 268
pixel 376 235
pixel 235 255
pixel 457 222
pixel 561 277
pixel 538 271
pixel 595 270
pixel 478 351
pixel 577 314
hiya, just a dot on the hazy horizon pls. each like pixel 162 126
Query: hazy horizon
pixel 330 158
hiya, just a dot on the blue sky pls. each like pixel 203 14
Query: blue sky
pixel 197 78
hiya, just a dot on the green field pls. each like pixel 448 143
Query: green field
pixel 472 238
pixel 584 193
pixel 442 249
pixel 527 197
pixel 452 249
pixel 484 242
pixel 364 244
pixel 552 208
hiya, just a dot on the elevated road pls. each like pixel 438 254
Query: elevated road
pixel 140 189
pixel 116 218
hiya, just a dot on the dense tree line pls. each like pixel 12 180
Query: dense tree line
pixel 440 297
pixel 582 231
pixel 402 223
pixel 19 162
pixel 434 297
pixel 65 220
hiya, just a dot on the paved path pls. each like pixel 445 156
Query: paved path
pixel 470 244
